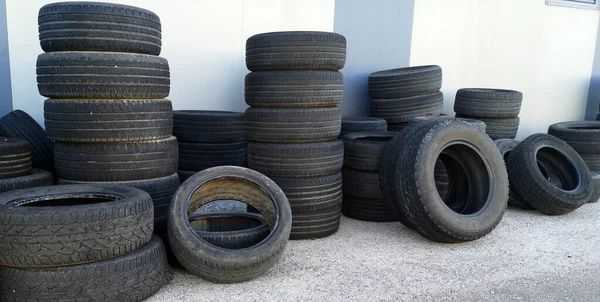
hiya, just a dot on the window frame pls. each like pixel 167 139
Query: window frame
pixel 575 4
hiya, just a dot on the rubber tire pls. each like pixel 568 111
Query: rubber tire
pixel 200 156
pixel 405 82
pixel 296 50
pixel 161 190
pixel 37 178
pixel 491 103
pixel 21 125
pixel 116 162
pixel 505 146
pixel 77 234
pixel 102 75
pixel 299 89
pixel 596 181
pixel 592 160
pixel 362 124
pixel 366 209
pixel 414 161
pixel 583 136
pixel 184 175
pixel 316 225
pixel 237 233
pixel 296 160
pixel 397 127
pixel 99 27
pixel 401 110
pixel 15 157
pixel 475 123
pixel 363 184
pixel 498 128
pixel 364 150
pixel 208 126
pixel 220 265
pixel 131 277
pixel 108 120
pixel 296 125
pixel 534 188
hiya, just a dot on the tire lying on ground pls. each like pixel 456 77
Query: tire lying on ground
pixel 363 150
pixel 367 209
pixel 296 50
pixel 102 75
pixel 405 82
pixel 214 263
pixel 95 26
pixel 478 188
pixel 596 181
pixel 15 157
pixel 505 146
pixel 37 178
pixel 230 230
pixel 75 224
pixel 549 175
pixel 207 126
pixel 131 277
pixel 362 124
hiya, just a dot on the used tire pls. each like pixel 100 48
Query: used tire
pixel 102 75
pixel 367 209
pixel 362 124
pixel 492 103
pixel 200 156
pixel 207 126
pixel 316 225
pixel 397 127
pixel 312 194
pixel 116 162
pixel 364 184
pixel 230 230
pixel 583 136
pixel 296 125
pixel 405 82
pixel 21 125
pixel 79 223
pixel 498 128
pixel 302 88
pixel 505 146
pixel 363 150
pixel 477 124
pixel 549 175
pixel 15 157
pixel 98 26
pixel 216 264
pixel 296 50
pixel 592 160
pixel 184 175
pixel 401 110
pixel 596 181
pixel 131 277
pixel 475 168
pixel 296 160
pixel 37 178
pixel 108 120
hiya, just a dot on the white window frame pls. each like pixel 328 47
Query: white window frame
pixel 586 4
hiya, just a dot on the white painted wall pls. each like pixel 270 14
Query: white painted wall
pixel 544 51
pixel 203 40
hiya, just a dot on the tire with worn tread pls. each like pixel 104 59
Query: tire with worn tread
pixel 15 157
pixel 362 124
pixel 367 209
pixel 596 181
pixel 312 194
pixel 208 126
pixel 364 184
pixel 583 136
pixel 400 110
pixel 405 82
pixel 477 124
pixel 316 225
pixel 200 156
pixel 491 103
pixel 37 178
pixel 498 128
pixel 230 230
pixel 363 150
pixel 505 146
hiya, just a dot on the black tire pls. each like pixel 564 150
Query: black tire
pixel 596 181
pixel 475 168
pixel 78 222
pixel 200 156
pixel 583 136
pixel 477 124
pixel 491 103
pixel 296 160
pixel 215 264
pixel 295 125
pixel 505 146
pixel 592 160
pixel 549 175
pixel 116 162
pixel 184 175
pixel 312 194
pixel 362 124
pixel 15 157
pixel 207 126
pixel 296 50
pixel 102 75
pixel 302 88
pixel 306 226
pixel 363 184
pixel 99 27
pixel 131 277
pixel 405 82
pixel 440 174
pixel 108 120
pixel 230 230
pixel 21 125
pixel 161 190
pixel 397 127
pixel 37 178
pixel 367 209
pixel 498 128
pixel 364 150
pixel 401 110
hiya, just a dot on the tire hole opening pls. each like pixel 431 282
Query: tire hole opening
pixel 555 167
pixel 63 200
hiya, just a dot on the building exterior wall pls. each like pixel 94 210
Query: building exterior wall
pixel 5 89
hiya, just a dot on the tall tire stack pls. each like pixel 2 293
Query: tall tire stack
pixel 294 122
pixel 209 139
pixel 497 108
pixel 106 87
pixel 16 170
pixel 397 95
pixel 363 198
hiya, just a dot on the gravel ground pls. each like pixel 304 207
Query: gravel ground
pixel 529 257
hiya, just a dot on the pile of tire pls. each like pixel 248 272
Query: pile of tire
pixel 400 94
pixel 363 198
pixel 293 123
pixel 106 87
pixel 497 108
pixel 79 243
pixel 209 139
pixel 16 170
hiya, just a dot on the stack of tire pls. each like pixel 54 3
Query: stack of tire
pixel 497 108
pixel 79 243
pixel 294 122
pixel 106 87
pixel 16 170
pixel 400 94
pixel 209 139
pixel 363 198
